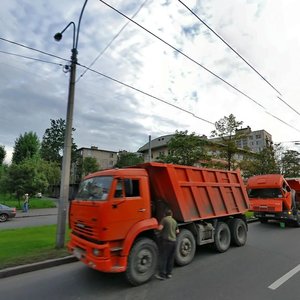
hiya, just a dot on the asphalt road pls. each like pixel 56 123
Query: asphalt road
pixel 29 222
pixel 35 217
pixel 259 270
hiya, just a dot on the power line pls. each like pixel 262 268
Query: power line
pixel 112 40
pixel 194 61
pixel 185 55
pixel 147 94
pixel 229 46
pixel 31 58
pixel 239 56
pixel 33 49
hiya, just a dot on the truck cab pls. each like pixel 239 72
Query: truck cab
pixel 272 198
pixel 110 206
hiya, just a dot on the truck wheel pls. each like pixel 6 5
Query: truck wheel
pixel 142 261
pixel 297 222
pixel 238 230
pixel 186 248
pixel 222 237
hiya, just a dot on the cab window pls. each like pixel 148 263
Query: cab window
pixel 128 187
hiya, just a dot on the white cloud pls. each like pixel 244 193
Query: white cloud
pixel 114 117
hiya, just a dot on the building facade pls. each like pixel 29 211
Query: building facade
pixel 253 141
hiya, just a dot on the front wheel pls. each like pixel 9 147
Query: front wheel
pixel 222 237
pixel 186 248
pixel 142 261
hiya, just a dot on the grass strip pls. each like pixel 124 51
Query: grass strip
pixel 28 245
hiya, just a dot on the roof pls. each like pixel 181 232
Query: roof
pixel 159 142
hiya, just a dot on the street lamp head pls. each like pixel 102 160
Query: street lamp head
pixel 58 36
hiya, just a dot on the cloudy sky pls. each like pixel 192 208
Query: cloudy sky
pixel 113 116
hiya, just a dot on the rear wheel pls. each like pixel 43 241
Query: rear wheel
pixel 142 261
pixel 222 237
pixel 3 217
pixel 238 230
pixel 186 248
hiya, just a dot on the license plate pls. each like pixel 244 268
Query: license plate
pixel 270 215
pixel 78 253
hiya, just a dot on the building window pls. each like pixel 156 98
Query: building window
pixel 258 136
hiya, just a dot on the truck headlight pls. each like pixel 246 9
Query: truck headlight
pixel 96 252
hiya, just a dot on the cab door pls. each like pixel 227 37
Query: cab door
pixel 127 206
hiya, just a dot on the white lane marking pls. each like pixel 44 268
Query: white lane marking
pixel 284 278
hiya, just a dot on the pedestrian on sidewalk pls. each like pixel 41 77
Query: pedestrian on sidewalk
pixel 25 203
pixel 168 229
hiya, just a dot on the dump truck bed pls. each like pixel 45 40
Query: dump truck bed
pixel 197 193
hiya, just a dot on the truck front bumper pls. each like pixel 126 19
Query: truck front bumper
pixel 282 216
pixel 97 256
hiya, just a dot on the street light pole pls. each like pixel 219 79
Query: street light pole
pixel 66 163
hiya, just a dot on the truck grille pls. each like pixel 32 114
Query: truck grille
pixel 83 228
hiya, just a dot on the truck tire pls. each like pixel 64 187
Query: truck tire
pixel 185 248
pixel 238 230
pixel 142 261
pixel 297 222
pixel 222 237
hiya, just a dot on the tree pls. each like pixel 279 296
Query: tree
pixel 53 142
pixel 26 177
pixel 185 149
pixel 227 131
pixel 126 159
pixel 26 146
pixel 290 163
pixel 264 162
pixel 2 154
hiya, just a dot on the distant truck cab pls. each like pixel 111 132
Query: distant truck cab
pixel 115 216
pixel 273 197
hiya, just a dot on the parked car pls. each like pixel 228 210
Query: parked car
pixel 6 212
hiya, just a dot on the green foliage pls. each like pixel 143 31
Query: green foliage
pixel 185 149
pixel 227 131
pixel 126 159
pixel 26 146
pixel 264 162
pixel 290 163
pixel 35 203
pixel 2 155
pixel 28 176
pixel 53 142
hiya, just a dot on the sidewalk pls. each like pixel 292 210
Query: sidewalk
pixel 35 212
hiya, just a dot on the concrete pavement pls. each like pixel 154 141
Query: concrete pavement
pixel 37 212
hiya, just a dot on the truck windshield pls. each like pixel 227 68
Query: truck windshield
pixel 96 188
pixel 265 193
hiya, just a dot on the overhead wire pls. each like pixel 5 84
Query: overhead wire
pixel 112 40
pixel 199 64
pixel 31 58
pixel 227 44
pixel 136 89
pixel 185 55
pixel 33 49
pixel 240 56
pixel 147 94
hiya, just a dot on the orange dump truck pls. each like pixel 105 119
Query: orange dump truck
pixel 273 197
pixel 115 215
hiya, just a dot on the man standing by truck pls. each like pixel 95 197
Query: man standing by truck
pixel 168 228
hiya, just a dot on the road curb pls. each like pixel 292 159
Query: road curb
pixel 37 266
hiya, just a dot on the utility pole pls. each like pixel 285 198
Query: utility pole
pixel 66 163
